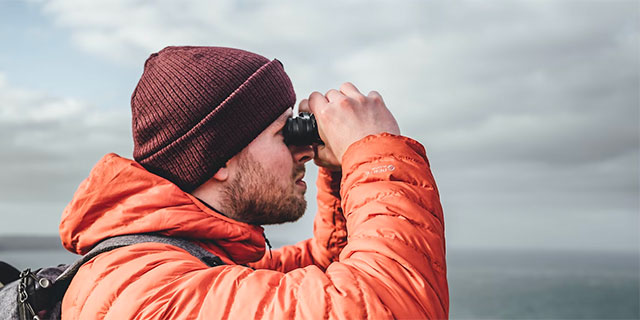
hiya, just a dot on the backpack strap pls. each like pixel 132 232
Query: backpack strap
pixel 63 281
pixel 195 250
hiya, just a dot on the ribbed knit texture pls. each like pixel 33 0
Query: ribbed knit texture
pixel 196 107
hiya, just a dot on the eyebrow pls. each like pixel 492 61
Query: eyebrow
pixel 281 123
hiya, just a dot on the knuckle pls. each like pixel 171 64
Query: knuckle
pixel 361 99
pixel 345 102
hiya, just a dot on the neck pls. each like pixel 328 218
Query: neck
pixel 212 208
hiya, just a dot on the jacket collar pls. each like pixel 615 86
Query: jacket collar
pixel 120 197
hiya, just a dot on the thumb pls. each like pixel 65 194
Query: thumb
pixel 304 106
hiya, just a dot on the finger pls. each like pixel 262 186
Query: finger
pixel 350 90
pixel 375 95
pixel 317 100
pixel 334 95
pixel 304 106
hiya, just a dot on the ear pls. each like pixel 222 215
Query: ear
pixel 222 174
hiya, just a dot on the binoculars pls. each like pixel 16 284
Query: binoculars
pixel 301 130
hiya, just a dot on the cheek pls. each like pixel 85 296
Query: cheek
pixel 279 160
pixel 285 163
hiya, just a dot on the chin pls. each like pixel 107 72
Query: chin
pixel 291 213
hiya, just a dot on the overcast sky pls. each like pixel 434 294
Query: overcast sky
pixel 529 110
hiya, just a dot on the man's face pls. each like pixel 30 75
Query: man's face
pixel 267 186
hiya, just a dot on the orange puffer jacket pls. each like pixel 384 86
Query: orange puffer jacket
pixel 392 265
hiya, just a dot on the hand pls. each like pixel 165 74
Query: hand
pixel 324 156
pixel 347 116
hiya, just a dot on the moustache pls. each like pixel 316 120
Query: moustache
pixel 298 171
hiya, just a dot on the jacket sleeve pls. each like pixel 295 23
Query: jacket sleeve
pixel 329 230
pixel 393 265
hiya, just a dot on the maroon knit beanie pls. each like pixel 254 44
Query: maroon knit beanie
pixel 196 107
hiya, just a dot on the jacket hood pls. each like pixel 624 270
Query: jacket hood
pixel 120 197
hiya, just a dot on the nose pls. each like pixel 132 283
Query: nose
pixel 301 154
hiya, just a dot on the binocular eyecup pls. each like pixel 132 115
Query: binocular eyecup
pixel 301 130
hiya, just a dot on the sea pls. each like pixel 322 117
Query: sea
pixel 483 284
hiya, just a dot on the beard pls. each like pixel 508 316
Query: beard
pixel 257 197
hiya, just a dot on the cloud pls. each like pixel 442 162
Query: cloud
pixel 48 142
pixel 540 85
pixel 122 30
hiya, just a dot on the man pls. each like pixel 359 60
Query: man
pixel 211 166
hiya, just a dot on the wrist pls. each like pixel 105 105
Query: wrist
pixel 331 180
